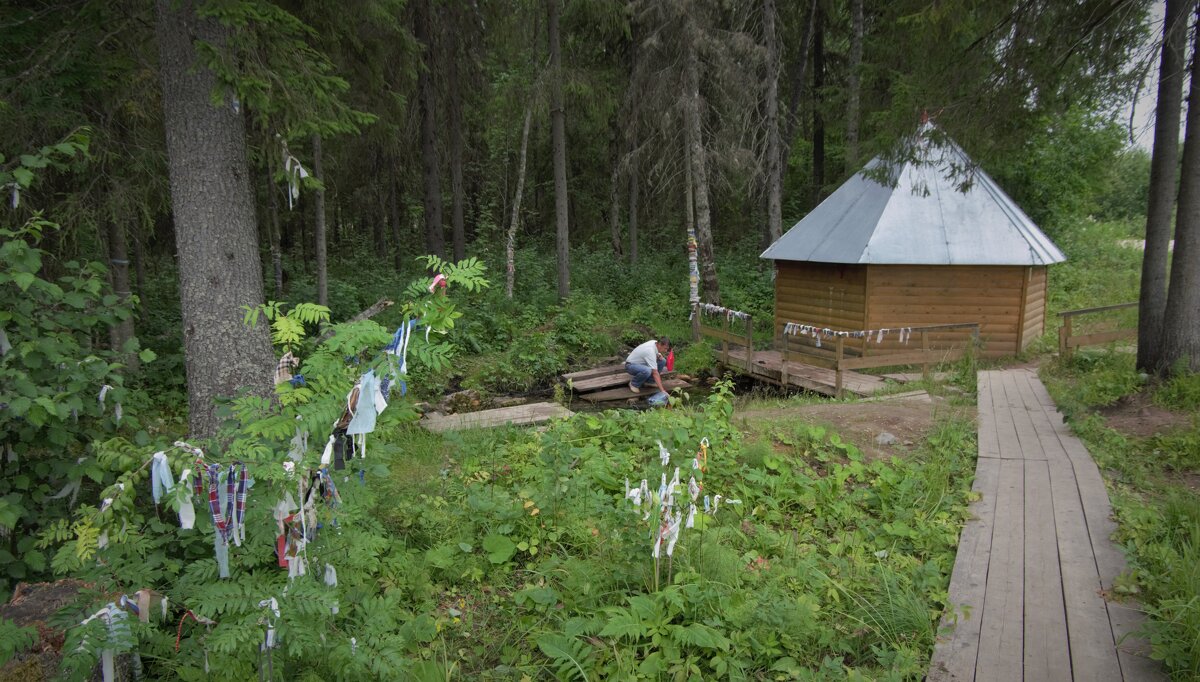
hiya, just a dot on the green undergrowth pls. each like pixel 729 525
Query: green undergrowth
pixel 1152 484
pixel 523 550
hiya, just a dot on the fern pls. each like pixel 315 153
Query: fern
pixel 14 639
pixel 569 653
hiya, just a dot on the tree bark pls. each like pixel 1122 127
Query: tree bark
pixel 435 238
pixel 319 238
pixel 799 76
pixel 614 200
pixel 139 260
pixel 558 135
pixel 633 205
pixel 118 260
pixel 698 165
pixel 458 230
pixel 774 153
pixel 215 232
pixel 510 242
pixel 394 206
pixel 276 239
pixel 854 84
pixel 818 132
pixel 1152 297
pixel 1181 319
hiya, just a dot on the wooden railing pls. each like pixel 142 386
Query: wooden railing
pixel 840 358
pixel 1068 340
pixel 725 334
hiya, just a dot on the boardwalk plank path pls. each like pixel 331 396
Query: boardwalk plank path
pixel 1036 559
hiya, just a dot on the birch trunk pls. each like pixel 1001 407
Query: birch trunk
pixel 510 242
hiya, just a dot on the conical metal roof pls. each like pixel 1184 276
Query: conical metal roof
pixel 924 219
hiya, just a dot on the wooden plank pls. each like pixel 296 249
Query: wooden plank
pixel 1092 492
pixel 1027 436
pixel 1006 430
pixel 934 355
pixel 1103 308
pixel 957 648
pixel 1045 613
pixel 722 335
pixel 1100 338
pixel 534 413
pixel 1024 301
pixel 989 445
pixel 593 372
pixel 623 392
pixel 606 381
pixel 1001 630
pixel 1133 652
pixel 1093 652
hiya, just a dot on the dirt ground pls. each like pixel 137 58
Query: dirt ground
pixel 1135 415
pixel 909 420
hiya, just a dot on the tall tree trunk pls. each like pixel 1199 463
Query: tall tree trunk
pixel 633 204
pixel 698 165
pixel 394 206
pixel 139 271
pixel 774 153
pixel 215 232
pixel 558 135
pixel 435 238
pixel 1152 298
pixel 1181 319
pixel 319 237
pixel 458 229
pixel 118 259
pixel 818 132
pixel 799 77
pixel 614 200
pixel 511 241
pixel 276 240
pixel 854 83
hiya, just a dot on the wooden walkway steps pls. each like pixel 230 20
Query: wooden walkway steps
pixel 533 413
pixel 769 364
pixel 611 382
pixel 1036 559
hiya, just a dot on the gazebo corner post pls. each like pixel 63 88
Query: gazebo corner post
pixel 783 367
pixel 837 363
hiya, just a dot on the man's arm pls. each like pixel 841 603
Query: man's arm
pixel 658 379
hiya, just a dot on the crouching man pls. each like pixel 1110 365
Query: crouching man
pixel 648 361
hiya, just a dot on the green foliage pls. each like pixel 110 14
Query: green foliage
pixel 1159 520
pixel 50 381
pixel 1180 392
pixel 14 639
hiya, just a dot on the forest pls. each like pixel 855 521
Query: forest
pixel 220 216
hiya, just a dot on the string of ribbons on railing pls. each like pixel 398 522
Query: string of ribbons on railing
pixel 711 309
pixel 817 333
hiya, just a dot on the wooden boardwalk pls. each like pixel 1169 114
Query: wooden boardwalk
pixel 1036 560
pixel 768 364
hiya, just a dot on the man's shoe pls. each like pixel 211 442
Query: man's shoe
pixel 633 388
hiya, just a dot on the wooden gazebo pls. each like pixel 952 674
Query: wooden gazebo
pixel 923 249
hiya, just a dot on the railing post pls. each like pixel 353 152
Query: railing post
pixel 837 363
pixel 1064 338
pixel 925 352
pixel 725 343
pixel 696 322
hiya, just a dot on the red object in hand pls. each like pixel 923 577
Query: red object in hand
pixel 671 361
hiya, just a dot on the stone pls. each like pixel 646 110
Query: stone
pixel 886 438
